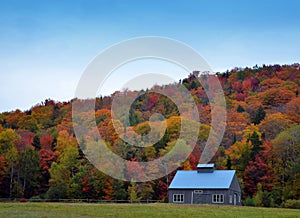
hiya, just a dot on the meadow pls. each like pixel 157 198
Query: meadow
pixel 30 209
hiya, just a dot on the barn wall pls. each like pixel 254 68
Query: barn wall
pixel 205 198
pixel 235 188
pixel 187 195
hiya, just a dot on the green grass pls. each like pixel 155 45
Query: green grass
pixel 157 210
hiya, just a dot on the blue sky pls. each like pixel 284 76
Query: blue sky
pixel 46 45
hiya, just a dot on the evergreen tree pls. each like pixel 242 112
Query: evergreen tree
pixel 228 163
pixel 29 170
pixel 119 190
pixel 240 109
pixel 36 142
pixel 133 118
pixel 257 144
pixel 132 192
pixel 260 115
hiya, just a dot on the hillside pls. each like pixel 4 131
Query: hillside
pixel 40 156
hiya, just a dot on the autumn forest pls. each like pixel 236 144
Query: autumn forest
pixel 40 157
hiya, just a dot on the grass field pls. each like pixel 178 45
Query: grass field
pixel 157 210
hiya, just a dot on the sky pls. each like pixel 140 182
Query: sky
pixel 45 46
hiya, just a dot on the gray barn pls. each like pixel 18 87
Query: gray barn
pixel 205 186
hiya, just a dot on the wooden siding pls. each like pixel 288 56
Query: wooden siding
pixel 190 197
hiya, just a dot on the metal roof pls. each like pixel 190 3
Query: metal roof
pixel 191 179
pixel 205 165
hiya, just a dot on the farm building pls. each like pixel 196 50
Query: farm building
pixel 205 186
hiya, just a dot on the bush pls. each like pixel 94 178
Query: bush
pixel 55 193
pixel 258 198
pixel 291 203
pixel 23 200
pixel 276 197
pixel 166 199
pixel 267 200
pixel 35 199
pixel 249 202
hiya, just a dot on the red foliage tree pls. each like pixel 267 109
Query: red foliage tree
pixel 293 110
pixel 241 96
pixel 133 168
pixel 108 190
pixel 26 139
pixel 237 86
pixel 247 85
pixel 161 188
pixel 46 141
pixel 47 156
pixel 13 118
pixel 257 172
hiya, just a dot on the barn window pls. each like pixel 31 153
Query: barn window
pixel 178 198
pixel 198 191
pixel 218 198
pixel 230 199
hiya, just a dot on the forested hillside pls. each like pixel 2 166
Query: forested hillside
pixel 40 156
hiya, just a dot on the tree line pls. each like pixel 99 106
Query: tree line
pixel 41 158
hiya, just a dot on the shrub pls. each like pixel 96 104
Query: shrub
pixel 291 203
pixel 35 199
pixel 55 193
pixel 259 196
pixel 23 200
pixel 249 202
pixel 166 199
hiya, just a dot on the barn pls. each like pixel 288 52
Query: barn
pixel 205 186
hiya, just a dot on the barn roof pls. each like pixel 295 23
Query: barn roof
pixel 190 179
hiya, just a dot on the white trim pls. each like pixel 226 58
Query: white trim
pixel 235 198
pixel 219 198
pixel 178 198
pixel 198 191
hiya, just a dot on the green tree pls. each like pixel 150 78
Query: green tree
pixel 256 144
pixel 133 118
pixel 8 140
pixel 61 173
pixel 29 170
pixel 287 150
pixel 79 184
pixel 146 191
pixel 12 158
pixel 29 123
pixel 228 163
pixel 133 192
pixel 119 190
pixel 36 142
pixel 259 116
pixel 240 109
pixel 258 198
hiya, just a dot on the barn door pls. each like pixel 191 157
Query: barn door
pixel 234 199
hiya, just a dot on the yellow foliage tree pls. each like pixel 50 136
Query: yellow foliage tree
pixel 64 140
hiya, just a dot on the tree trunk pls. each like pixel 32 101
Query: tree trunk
pixel 11 179
pixel 24 185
